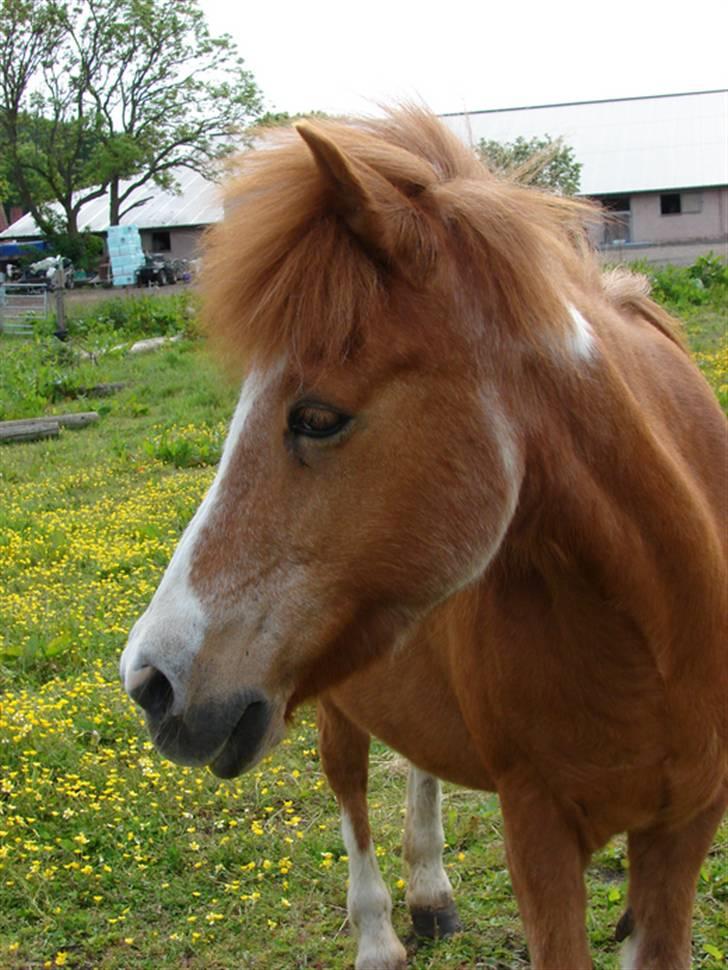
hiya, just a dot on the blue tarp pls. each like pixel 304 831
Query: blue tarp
pixel 12 249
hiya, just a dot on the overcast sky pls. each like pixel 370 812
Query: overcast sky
pixel 338 56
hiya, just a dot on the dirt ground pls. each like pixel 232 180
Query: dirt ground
pixel 87 296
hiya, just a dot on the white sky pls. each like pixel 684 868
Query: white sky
pixel 339 56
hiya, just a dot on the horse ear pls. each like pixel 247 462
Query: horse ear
pixel 374 210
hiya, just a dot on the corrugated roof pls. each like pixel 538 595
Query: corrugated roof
pixel 199 203
pixel 675 141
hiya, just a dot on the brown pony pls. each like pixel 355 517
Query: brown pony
pixel 471 500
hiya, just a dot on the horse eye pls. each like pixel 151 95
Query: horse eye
pixel 316 421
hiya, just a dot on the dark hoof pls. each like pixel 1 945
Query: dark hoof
pixel 625 926
pixel 433 924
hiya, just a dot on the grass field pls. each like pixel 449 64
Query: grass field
pixel 112 858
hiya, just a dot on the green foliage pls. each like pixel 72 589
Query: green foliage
pixel 39 373
pixel 545 162
pixel 680 288
pixel 83 249
pixel 191 446
pixel 133 318
pixel 96 91
pixel 274 119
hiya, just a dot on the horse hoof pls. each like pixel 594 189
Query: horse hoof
pixel 433 924
pixel 381 954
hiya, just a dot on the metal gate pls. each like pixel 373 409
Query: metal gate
pixel 20 304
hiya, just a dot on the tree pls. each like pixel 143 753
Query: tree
pixel 113 90
pixel 546 162
pixel 282 119
pixel 28 35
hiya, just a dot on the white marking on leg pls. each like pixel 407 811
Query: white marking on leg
pixel 370 907
pixel 171 631
pixel 630 952
pixel 428 886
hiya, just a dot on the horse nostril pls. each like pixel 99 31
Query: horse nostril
pixel 151 690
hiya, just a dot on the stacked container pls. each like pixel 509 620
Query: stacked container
pixel 125 254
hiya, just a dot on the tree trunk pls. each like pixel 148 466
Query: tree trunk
pixel 71 217
pixel 114 202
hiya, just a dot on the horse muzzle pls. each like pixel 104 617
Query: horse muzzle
pixel 227 735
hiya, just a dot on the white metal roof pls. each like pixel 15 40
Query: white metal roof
pixel 199 203
pixel 675 141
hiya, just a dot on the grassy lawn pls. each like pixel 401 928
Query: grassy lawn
pixel 112 858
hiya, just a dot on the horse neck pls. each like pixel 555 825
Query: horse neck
pixel 607 503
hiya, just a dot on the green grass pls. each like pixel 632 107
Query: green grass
pixel 113 858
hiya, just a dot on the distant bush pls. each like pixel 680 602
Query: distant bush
pixel 135 317
pixel 705 283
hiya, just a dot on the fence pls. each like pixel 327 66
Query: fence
pixel 20 304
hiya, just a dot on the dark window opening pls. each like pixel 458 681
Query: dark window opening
pixel 617 223
pixel 670 204
pixel 161 242
pixel 615 203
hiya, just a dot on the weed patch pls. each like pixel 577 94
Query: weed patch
pixel 192 446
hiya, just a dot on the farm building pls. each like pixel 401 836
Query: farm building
pixel 169 222
pixel 658 164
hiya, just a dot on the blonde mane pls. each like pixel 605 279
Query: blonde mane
pixel 284 273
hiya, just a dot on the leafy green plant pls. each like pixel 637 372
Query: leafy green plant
pixel 680 288
pixel 133 318
pixel 187 447
pixel 710 270
pixel 38 373
pixel 546 162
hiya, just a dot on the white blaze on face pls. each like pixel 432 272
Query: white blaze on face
pixel 172 630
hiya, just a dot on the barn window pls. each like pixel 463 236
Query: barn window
pixel 615 203
pixel 161 242
pixel 670 204
pixel 617 227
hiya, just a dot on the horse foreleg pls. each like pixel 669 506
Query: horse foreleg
pixel 546 861
pixel 664 865
pixel 429 893
pixel 345 758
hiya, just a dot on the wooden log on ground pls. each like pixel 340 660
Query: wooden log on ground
pixel 78 420
pixel 31 430
pixel 105 390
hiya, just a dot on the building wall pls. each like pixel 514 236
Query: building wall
pixel 643 232
pixel 184 243
pixel 703 217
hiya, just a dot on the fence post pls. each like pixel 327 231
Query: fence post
pixel 60 330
